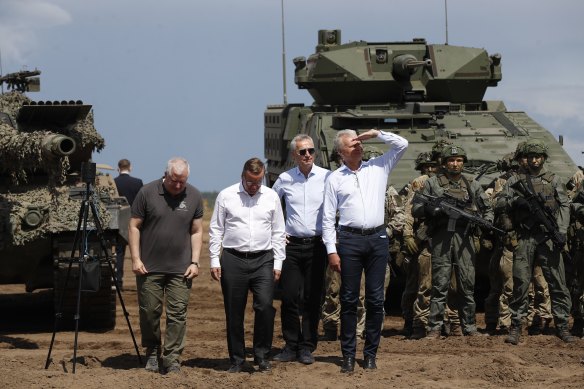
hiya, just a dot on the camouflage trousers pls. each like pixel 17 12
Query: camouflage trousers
pixel 453 254
pixel 423 289
pixel 540 303
pixel 501 288
pixel 331 306
pixel 576 284
pixel 527 254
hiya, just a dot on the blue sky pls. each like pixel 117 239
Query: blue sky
pixel 193 77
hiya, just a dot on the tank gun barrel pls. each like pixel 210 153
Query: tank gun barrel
pixel 406 64
pixel 58 145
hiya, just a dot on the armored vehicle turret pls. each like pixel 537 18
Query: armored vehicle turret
pixel 424 92
pixel 42 147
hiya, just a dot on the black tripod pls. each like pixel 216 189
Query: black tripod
pixel 80 243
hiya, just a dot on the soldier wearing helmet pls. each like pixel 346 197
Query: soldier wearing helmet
pixel 534 242
pixel 415 301
pixel 500 270
pixel 453 251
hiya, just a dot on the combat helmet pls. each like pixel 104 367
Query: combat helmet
pixel 453 151
pixel 424 158
pixel 437 149
pixel 535 146
pixel 508 162
pixel 519 151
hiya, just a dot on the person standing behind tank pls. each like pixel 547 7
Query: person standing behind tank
pixel 302 189
pixel 166 238
pixel 534 243
pixel 356 191
pixel 128 187
pixel 453 251
pixel 248 223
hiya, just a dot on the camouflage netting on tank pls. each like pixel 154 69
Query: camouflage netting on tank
pixel 60 214
pixel 21 152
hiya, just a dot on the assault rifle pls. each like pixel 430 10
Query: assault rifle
pixel 543 215
pixel 451 207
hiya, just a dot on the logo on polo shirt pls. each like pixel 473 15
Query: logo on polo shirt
pixel 182 206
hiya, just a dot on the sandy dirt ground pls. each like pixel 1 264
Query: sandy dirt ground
pixel 108 359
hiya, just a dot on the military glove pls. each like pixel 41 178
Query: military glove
pixel 411 246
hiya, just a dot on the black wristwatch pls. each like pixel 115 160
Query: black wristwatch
pixel 195 263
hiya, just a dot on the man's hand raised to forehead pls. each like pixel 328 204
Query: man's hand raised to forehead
pixel 372 133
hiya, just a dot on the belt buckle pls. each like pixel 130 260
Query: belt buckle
pixel 306 240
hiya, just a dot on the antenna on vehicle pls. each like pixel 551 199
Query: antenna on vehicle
pixel 446 18
pixel 284 57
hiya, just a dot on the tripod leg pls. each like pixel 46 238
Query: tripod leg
pixel 100 235
pixel 59 313
pixel 82 259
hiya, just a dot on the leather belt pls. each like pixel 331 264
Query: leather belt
pixel 246 254
pixel 363 231
pixel 309 240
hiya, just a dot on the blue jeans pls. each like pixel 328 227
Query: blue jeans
pixel 358 253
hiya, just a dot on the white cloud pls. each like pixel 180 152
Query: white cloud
pixel 20 23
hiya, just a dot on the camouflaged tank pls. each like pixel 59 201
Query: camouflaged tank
pixel 424 92
pixel 42 147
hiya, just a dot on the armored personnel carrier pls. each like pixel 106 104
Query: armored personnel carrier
pixel 42 147
pixel 424 92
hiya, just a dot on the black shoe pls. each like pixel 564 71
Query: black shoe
pixel 263 365
pixel 286 355
pixel 235 368
pixel 305 357
pixel 370 363
pixel 348 365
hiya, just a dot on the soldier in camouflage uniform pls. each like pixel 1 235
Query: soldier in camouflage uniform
pixel 416 295
pixel 331 306
pixel 534 243
pixel 394 224
pixel 575 277
pixel 453 251
pixel 501 265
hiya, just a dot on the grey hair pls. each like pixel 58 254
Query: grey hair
pixel 341 134
pixel 298 138
pixel 178 165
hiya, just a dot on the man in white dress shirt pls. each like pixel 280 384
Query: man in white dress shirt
pixel 249 224
pixel 357 191
pixel 302 190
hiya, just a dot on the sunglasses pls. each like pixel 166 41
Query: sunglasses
pixel 304 151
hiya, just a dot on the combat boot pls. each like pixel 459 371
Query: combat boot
pixel 408 330
pixel 491 328
pixel 578 327
pixel 455 329
pixel 514 335
pixel 536 326
pixel 565 335
pixel 433 334
pixel 418 333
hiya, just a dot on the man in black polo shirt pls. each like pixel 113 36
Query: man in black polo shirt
pixel 166 237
